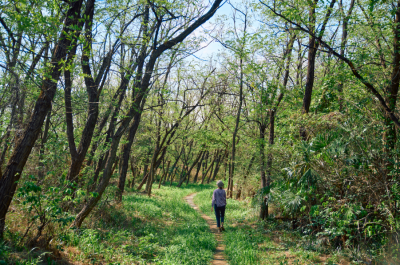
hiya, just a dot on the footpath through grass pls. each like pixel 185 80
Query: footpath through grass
pixel 249 241
pixel 162 229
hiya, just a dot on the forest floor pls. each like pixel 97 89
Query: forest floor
pixel 165 229
pixel 248 241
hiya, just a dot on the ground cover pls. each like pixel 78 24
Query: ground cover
pixel 249 241
pixel 162 229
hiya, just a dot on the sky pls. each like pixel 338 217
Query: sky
pixel 214 47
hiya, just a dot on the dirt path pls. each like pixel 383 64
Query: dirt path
pixel 219 258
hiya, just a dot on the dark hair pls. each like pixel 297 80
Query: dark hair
pixel 220 188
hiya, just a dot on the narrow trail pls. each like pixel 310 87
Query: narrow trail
pixel 219 258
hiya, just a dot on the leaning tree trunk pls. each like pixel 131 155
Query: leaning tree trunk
pixel 134 110
pixel 108 169
pixel 166 172
pixel 22 150
pixel 187 175
pixel 198 167
pixel 208 169
pixel 126 150
pixel 212 166
pixel 217 167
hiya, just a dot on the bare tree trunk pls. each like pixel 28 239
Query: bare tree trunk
pixel 145 172
pixel 153 168
pixel 226 167
pixel 144 180
pixel 203 172
pixel 10 126
pixel 229 180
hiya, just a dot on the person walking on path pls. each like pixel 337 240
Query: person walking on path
pixel 218 204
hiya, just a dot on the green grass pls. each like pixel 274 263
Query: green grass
pixel 162 229
pixel 241 241
pixel 250 241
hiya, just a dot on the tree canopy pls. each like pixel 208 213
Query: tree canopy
pixel 296 110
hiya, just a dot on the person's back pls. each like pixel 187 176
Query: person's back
pixel 218 204
pixel 219 197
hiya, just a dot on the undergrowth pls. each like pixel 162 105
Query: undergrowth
pixel 250 241
pixel 162 229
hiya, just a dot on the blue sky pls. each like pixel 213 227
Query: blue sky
pixel 214 47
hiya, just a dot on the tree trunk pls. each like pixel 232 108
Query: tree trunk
pixel 153 167
pixel 233 154
pixel 203 172
pixel 145 173
pixel 136 111
pixel 166 172
pixel 312 52
pixel 92 87
pixel 22 150
pixel 226 167
pixel 41 172
pixel 343 45
pixel 229 183
pixel 163 176
pixel 174 166
pixel 217 166
pixel 126 150
pixel 187 175
pixel 144 180
pixel 263 207
pixel 199 167
pixel 208 169
pixel 133 169
pixel 108 169
pixel 239 193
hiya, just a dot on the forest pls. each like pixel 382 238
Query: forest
pixel 117 119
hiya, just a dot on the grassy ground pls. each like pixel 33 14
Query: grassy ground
pixel 249 241
pixel 162 229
